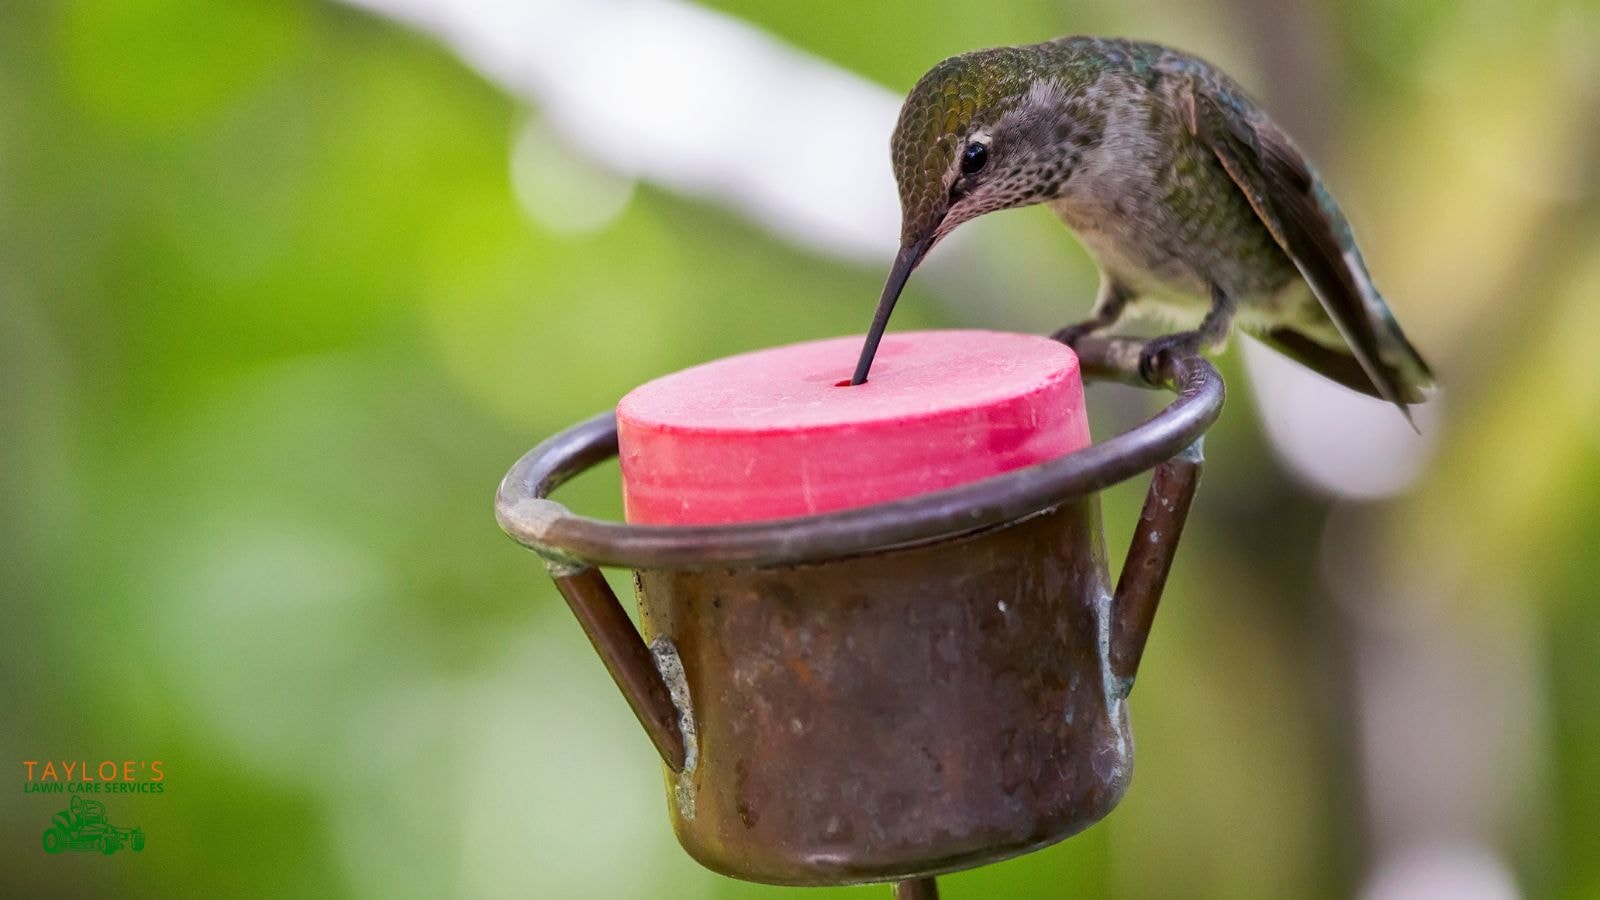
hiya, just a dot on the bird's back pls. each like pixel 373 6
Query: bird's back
pixel 1151 204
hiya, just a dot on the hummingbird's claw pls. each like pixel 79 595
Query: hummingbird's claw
pixel 1150 365
pixel 1152 356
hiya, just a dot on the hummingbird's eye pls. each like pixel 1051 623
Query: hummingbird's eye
pixel 974 158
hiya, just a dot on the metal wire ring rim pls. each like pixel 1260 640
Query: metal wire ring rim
pixel 566 539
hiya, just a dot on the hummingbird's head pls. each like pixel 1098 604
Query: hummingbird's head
pixel 982 131
pixel 978 133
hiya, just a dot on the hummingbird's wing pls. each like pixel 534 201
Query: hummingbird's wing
pixel 1304 220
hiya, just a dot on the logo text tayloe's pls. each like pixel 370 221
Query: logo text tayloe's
pixel 106 776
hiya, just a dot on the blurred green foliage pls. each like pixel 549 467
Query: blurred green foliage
pixel 273 324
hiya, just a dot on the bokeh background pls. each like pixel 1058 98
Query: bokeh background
pixel 285 287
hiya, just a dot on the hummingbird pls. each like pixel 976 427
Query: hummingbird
pixel 1191 201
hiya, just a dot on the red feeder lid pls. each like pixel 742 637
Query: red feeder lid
pixel 780 432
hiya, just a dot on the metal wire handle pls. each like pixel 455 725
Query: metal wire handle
pixel 568 540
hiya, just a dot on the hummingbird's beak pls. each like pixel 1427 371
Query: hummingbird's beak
pixel 904 263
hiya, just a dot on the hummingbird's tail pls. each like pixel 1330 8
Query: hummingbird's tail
pixel 1414 370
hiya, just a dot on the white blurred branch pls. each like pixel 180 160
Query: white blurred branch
pixel 696 101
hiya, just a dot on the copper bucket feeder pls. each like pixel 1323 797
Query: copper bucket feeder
pixel 894 691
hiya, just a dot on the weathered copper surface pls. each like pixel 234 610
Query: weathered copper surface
pixel 1150 555
pixel 625 657
pixel 893 691
pixel 900 713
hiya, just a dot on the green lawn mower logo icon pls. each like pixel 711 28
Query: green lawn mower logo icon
pixel 83 826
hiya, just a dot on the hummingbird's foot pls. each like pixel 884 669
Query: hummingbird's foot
pixel 1151 356
pixel 1213 333
pixel 1107 310
pixel 1072 334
